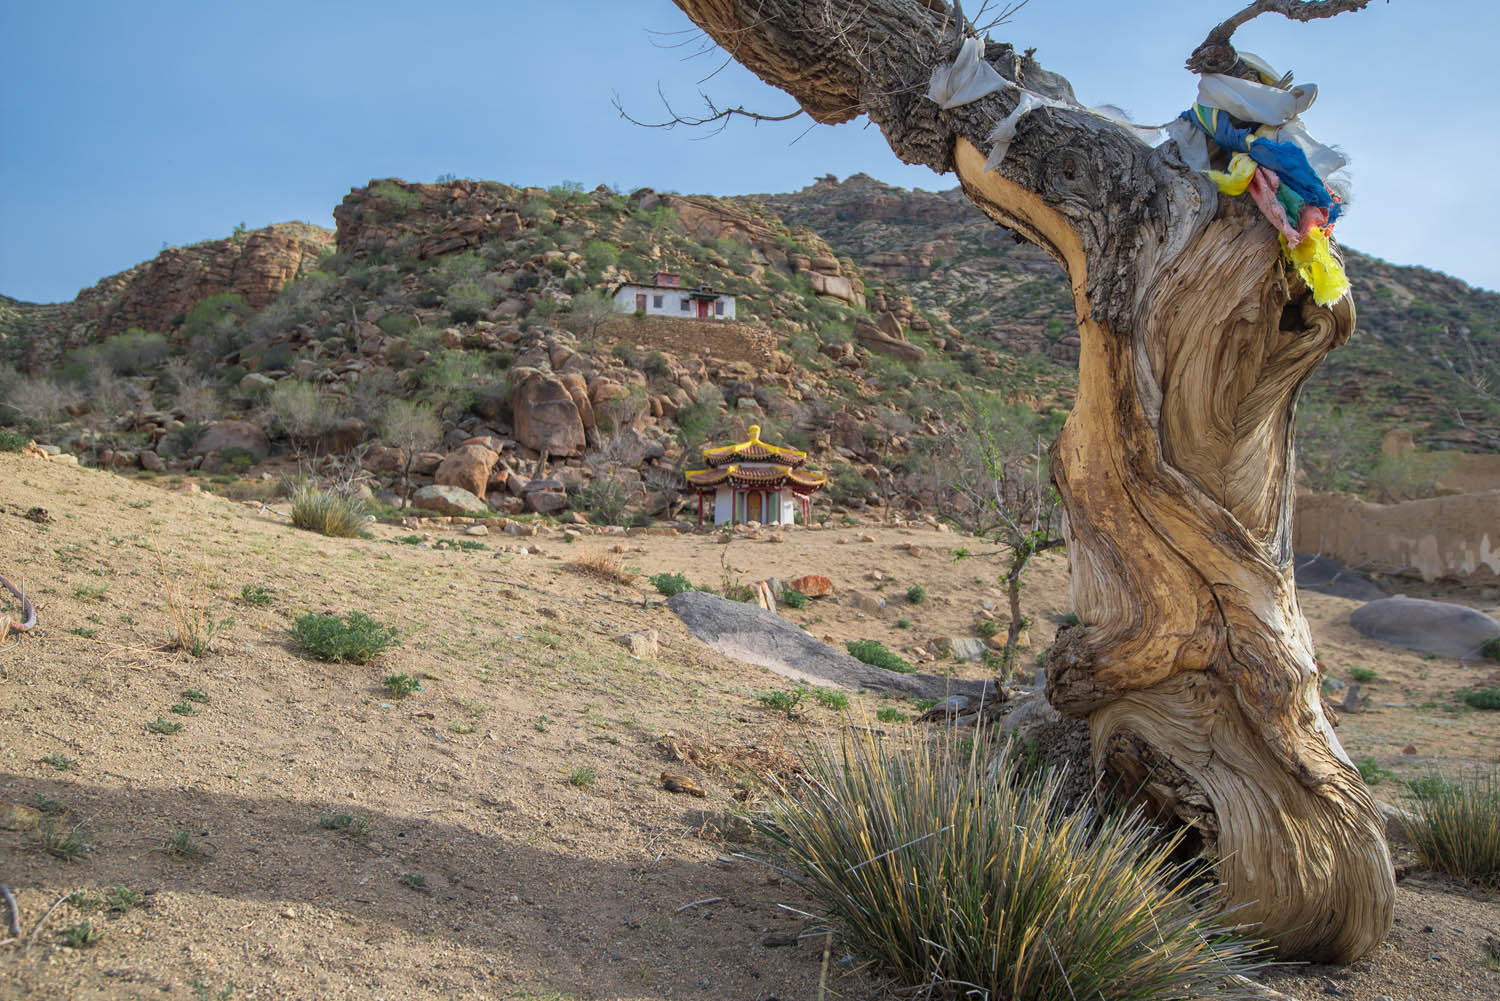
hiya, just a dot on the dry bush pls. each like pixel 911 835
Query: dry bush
pixel 604 566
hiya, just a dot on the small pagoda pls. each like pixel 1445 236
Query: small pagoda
pixel 755 481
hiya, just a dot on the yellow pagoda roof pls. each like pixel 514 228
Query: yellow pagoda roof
pixel 753 450
pixel 756 474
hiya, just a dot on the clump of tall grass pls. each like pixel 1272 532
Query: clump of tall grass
pixel 327 512
pixel 963 875
pixel 1456 827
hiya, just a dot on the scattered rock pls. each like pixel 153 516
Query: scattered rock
pixel 676 782
pixel 812 585
pixel 454 501
pixel 642 643
pixel 477 530
pixel 966 648
pixel 15 817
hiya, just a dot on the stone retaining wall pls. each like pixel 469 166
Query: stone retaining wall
pixel 721 340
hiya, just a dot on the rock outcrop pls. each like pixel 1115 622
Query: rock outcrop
pixel 547 419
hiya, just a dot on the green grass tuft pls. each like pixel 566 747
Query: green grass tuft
pixel 1457 827
pixel 1363 675
pixel 326 512
pixel 399 686
pixel 916 594
pixel 670 583
pixel 961 875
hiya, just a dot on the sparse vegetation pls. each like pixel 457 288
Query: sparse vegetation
pixel 399 686
pixel 193 695
pixel 782 700
pixel 61 762
pixel 1457 827
pixel 326 512
pixel 602 566
pixel 413 881
pixel 82 935
pixel 877 654
pixel 1482 698
pixel 830 698
pixel 1371 772
pixel 355 827
pixel 890 714
pixel 952 871
pixel 61 837
pixel 916 594
pixel 163 726
pixel 1363 675
pixel 583 776
pixel 181 845
pixel 255 594
pixel 793 597
pixel 192 624
pixel 670 583
pixel 354 639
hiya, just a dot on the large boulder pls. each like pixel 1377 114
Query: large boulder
pixel 1319 573
pixel 882 341
pixel 756 636
pixel 578 389
pixel 1437 627
pixel 468 467
pixel 546 417
pixel 454 501
pixel 223 435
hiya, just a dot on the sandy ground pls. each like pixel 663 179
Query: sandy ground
pixel 521 784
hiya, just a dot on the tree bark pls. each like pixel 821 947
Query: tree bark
pixel 1193 663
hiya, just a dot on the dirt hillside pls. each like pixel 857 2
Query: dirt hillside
pixel 507 833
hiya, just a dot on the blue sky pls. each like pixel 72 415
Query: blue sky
pixel 126 127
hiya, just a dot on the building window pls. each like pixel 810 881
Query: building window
pixel 719 307
pixel 687 306
pixel 656 302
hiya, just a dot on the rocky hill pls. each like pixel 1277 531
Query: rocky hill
pixel 1010 296
pixel 872 322
pixel 489 305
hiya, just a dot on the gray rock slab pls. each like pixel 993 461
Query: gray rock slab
pixel 1326 576
pixel 756 636
pixel 1439 627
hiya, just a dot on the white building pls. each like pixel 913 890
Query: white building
pixel 666 296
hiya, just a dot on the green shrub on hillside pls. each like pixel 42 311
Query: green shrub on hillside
pixel 877 654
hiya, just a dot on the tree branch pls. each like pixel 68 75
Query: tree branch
pixel 715 114
pixel 1216 55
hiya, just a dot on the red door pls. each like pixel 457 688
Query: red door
pixel 702 309
pixel 640 302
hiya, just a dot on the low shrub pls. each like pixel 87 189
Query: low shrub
pixel 781 700
pixel 670 583
pixel 830 698
pixel 959 873
pixel 1456 827
pixel 877 654
pixel 1482 698
pixel 1363 675
pixel 916 594
pixel 327 513
pixel 604 566
pixel 11 441
pixel 354 639
pixel 794 598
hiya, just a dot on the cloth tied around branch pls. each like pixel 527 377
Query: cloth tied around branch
pixel 1289 175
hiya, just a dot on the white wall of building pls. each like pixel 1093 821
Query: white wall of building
pixel 669 302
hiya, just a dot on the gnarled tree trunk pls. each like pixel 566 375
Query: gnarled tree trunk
pixel 1193 663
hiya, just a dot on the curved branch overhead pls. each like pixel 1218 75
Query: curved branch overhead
pixel 1193 665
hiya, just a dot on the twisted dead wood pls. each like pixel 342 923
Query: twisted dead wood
pixel 1193 666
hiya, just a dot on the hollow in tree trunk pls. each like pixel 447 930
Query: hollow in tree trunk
pixel 1192 662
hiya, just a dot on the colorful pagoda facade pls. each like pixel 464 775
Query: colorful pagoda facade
pixel 755 481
